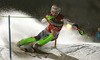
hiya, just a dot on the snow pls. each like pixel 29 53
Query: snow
pixel 70 42
pixel 82 51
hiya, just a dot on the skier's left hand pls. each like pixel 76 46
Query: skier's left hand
pixel 81 32
pixel 75 26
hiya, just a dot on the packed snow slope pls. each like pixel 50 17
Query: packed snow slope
pixel 70 42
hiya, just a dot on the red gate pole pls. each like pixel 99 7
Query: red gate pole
pixel 52 29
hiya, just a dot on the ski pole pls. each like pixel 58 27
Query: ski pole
pixel 9 37
pixel 52 29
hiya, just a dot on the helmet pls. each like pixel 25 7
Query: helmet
pixel 55 10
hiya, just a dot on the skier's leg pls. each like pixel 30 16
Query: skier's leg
pixel 27 47
pixel 43 41
pixel 32 39
pixel 25 41
pixel 46 40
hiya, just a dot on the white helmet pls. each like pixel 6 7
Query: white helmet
pixel 55 10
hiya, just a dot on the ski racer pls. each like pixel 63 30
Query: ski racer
pixel 56 22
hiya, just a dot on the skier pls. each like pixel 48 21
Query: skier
pixel 56 20
pixel 48 34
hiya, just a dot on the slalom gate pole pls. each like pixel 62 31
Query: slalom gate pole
pixel 52 29
pixel 9 37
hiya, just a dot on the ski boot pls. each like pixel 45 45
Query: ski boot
pixel 28 50
pixel 27 47
pixel 36 45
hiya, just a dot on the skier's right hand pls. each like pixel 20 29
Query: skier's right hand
pixel 44 20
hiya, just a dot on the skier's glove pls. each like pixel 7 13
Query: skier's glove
pixel 81 32
pixel 75 26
